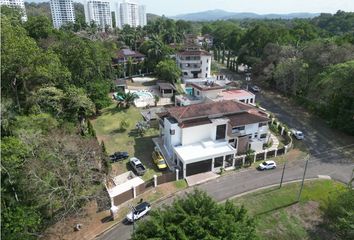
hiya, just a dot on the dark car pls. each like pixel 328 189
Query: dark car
pixel 117 156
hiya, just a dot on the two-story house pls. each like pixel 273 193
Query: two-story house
pixel 194 63
pixel 206 137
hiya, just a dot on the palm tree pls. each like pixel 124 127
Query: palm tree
pixel 126 99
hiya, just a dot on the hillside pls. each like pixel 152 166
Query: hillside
pixel 217 14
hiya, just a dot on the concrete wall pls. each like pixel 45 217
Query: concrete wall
pixel 206 66
pixel 210 93
pixel 196 134
pixel 171 140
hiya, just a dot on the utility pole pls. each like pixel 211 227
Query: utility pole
pixel 282 176
pixel 303 178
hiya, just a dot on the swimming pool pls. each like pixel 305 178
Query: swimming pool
pixel 143 94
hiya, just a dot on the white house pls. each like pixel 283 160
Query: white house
pixel 206 137
pixel 194 63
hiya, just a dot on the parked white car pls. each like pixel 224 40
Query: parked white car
pixel 255 88
pixel 139 211
pixel 266 165
pixel 297 134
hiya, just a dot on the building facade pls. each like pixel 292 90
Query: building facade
pixel 142 15
pixel 16 4
pixel 62 12
pixel 130 13
pixel 194 63
pixel 206 137
pixel 98 11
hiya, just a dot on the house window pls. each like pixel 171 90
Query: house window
pixel 185 73
pixel 228 160
pixel 251 100
pixel 264 135
pixel 242 100
pixel 198 93
pixel 255 135
pixel 172 132
pixel 262 124
pixel 238 129
pixel 207 60
pixel 220 132
pixel 218 162
pixel 207 69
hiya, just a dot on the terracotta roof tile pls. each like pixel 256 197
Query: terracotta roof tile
pixel 207 109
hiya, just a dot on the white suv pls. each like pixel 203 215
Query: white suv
pixel 297 134
pixel 267 165
pixel 139 211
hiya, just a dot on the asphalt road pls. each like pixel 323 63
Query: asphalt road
pixel 331 153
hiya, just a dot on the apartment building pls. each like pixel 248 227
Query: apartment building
pixel 16 4
pixel 194 63
pixel 129 12
pixel 62 12
pixel 98 11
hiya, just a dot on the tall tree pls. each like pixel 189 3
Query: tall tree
pixel 197 216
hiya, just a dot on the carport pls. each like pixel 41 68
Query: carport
pixel 203 157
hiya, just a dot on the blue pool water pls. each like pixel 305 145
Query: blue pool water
pixel 189 90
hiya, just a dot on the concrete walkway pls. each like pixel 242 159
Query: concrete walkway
pixel 201 178
pixel 275 142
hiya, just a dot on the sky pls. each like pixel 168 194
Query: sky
pixel 175 7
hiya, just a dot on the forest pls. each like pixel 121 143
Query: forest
pixel 53 81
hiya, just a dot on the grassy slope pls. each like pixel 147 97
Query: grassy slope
pixel 280 217
pixel 107 127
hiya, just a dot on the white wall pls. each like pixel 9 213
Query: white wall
pixel 206 66
pixel 171 140
pixel 210 93
pixel 196 134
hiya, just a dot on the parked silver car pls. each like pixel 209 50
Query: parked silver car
pixel 297 134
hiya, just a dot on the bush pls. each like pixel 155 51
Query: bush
pixel 274 128
pixel 340 215
pixel 124 124
pixel 142 127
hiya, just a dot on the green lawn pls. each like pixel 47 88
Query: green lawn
pixel 279 216
pixel 107 127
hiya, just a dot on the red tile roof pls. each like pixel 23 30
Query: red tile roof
pixel 245 118
pixel 124 53
pixel 207 109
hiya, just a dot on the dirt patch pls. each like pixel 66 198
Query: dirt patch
pixel 91 221
pixel 310 216
pixel 94 222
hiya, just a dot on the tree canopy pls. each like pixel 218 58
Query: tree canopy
pixel 197 216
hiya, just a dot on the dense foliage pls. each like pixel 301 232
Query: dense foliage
pixel 308 60
pixel 197 216
pixel 168 70
pixel 340 215
pixel 52 81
